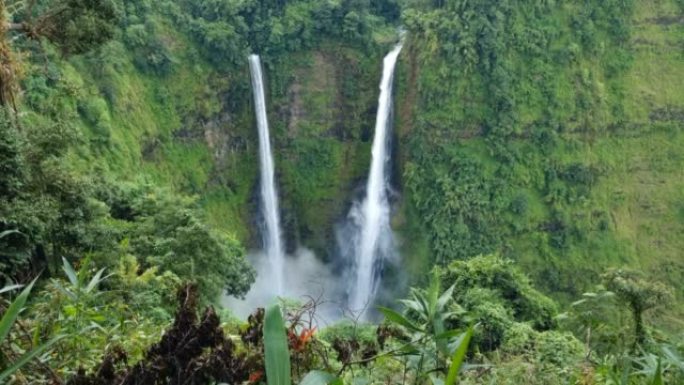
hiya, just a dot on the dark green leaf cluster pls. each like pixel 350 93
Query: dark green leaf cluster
pixel 228 30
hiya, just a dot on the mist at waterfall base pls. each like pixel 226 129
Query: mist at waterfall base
pixel 306 277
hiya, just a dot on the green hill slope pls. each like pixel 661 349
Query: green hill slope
pixel 558 140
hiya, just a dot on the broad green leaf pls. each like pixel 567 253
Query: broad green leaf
pixel 459 355
pixel 275 348
pixel 70 310
pixel 318 377
pixel 397 318
pixel 13 310
pixel 69 270
pixel 27 357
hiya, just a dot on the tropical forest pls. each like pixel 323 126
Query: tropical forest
pixel 341 192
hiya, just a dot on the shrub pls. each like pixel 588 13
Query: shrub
pixel 560 349
pixel 507 284
pixel 519 339
pixel 486 309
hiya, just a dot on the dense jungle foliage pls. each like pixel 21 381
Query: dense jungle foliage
pixel 538 166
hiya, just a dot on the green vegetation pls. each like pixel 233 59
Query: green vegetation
pixel 104 329
pixel 539 171
pixel 553 143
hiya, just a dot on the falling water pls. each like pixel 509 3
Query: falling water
pixel 269 197
pixel 373 239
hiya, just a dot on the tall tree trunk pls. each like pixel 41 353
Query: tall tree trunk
pixel 639 331
pixel 7 64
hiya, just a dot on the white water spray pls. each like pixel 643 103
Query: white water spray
pixel 373 240
pixel 272 237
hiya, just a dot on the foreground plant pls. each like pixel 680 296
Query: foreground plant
pixel 6 323
pixel 639 294
pixel 430 348
pixel 277 355
pixel 194 350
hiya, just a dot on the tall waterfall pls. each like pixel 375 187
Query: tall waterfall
pixel 372 241
pixel 272 237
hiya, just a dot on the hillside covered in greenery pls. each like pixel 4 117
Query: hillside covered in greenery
pixel 537 173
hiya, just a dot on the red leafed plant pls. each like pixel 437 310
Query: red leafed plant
pixel 299 342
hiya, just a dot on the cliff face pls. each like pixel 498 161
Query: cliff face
pixel 192 130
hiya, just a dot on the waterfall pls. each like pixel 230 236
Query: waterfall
pixel 371 238
pixel 269 197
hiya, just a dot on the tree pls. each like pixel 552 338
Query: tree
pixel 496 295
pixel 639 294
pixel 11 162
pixel 167 231
pixel 75 26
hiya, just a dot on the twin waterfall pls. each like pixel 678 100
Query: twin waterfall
pixel 272 236
pixel 367 241
pixel 373 242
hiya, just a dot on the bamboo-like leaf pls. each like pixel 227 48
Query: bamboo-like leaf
pixel 407 350
pixel 674 358
pixel 624 379
pixel 64 290
pixel 5 233
pixel 95 281
pixel 69 270
pixel 445 297
pixel 433 294
pixel 658 378
pixel 424 304
pixel 275 348
pixel 449 334
pixel 13 310
pixel 411 304
pixel 27 357
pixel 397 318
pixel 459 355
pixel 10 288
pixel 438 329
